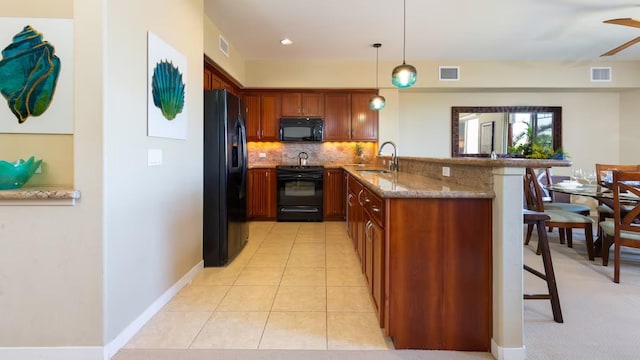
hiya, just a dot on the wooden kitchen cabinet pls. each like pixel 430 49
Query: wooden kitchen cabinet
pixel 439 281
pixel 214 80
pixel 261 194
pixel 374 250
pixel 208 78
pixel 364 121
pixel 354 215
pixel 302 104
pixel 430 278
pixel 263 116
pixel 333 194
pixel 348 117
pixel 337 117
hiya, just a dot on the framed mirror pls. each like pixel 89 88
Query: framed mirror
pixel 476 131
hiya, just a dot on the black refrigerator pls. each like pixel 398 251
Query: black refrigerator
pixel 225 226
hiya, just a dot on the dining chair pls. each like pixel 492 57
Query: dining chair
pixel 624 229
pixel 605 211
pixel 560 219
pixel 559 201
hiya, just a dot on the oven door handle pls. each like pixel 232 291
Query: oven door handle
pixel 286 210
pixel 298 177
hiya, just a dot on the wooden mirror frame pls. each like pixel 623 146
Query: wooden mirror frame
pixel 457 110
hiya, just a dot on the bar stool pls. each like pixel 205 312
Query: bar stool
pixel 538 219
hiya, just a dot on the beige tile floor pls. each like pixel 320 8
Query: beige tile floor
pixel 294 286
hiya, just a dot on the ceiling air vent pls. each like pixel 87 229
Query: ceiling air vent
pixel 449 73
pixel 223 45
pixel 600 74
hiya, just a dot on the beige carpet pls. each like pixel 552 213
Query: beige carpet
pixel 602 319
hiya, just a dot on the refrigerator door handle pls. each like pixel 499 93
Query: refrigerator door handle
pixel 243 155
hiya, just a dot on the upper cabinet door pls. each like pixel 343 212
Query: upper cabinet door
pixel 302 104
pixel 337 117
pixel 291 104
pixel 252 102
pixel 263 116
pixel 208 78
pixel 312 104
pixel 270 116
pixel 364 121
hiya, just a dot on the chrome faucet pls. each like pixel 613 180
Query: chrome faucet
pixel 393 165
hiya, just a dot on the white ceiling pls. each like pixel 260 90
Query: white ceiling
pixel 437 30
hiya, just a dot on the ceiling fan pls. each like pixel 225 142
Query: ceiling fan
pixel 626 22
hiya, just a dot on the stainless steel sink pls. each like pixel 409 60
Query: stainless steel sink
pixel 373 171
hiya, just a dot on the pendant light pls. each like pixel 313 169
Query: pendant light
pixel 404 76
pixel 377 102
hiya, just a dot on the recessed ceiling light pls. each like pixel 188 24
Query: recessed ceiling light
pixel 286 41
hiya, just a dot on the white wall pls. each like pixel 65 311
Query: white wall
pixel 153 215
pixel 76 276
pixel 630 127
pixel 51 256
pixel 234 64
pixel 425 121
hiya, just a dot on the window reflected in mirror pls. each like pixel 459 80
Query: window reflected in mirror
pixel 478 131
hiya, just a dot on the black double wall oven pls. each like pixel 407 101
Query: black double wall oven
pixel 299 193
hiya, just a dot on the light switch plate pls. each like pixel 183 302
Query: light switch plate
pixel 446 171
pixel 154 157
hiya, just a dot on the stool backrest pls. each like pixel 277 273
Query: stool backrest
pixel 532 191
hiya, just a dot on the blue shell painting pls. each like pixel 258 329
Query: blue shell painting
pixel 29 72
pixel 167 89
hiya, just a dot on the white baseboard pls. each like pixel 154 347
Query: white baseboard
pixel 53 353
pixel 99 352
pixel 505 353
pixel 116 344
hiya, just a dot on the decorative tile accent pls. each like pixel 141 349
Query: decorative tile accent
pixel 327 153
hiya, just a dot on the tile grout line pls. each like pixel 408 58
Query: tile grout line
pixel 264 328
pixel 221 299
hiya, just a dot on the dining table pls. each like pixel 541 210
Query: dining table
pixel 600 192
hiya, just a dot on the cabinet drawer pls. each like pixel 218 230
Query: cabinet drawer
pixel 374 206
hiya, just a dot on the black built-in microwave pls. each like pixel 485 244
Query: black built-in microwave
pixel 301 129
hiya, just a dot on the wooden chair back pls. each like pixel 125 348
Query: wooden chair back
pixel 611 167
pixel 626 227
pixel 625 218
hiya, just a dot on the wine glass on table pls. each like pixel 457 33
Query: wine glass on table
pixel 577 175
pixel 591 177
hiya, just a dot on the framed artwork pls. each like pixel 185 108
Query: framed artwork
pixel 166 95
pixel 36 72
pixel 486 137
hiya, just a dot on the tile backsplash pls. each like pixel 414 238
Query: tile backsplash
pixel 326 153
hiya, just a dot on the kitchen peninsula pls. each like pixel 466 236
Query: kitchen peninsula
pixel 443 254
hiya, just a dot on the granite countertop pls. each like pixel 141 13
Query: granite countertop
pixel 499 162
pixel 408 185
pixel 46 195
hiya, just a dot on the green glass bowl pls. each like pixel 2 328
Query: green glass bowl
pixel 15 174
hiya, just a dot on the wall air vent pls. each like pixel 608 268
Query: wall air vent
pixel 600 74
pixel 449 73
pixel 223 45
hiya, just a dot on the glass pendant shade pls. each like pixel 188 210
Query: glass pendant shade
pixel 377 102
pixel 404 76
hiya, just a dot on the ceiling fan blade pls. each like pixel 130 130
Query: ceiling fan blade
pixel 621 47
pixel 624 21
